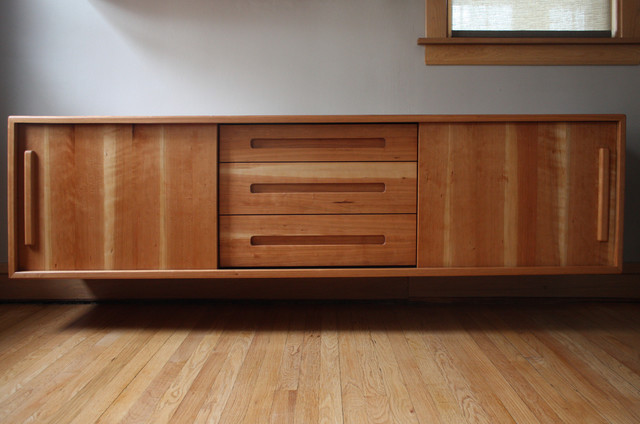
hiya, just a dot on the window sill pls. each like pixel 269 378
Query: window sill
pixel 531 51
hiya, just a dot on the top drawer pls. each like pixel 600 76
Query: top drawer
pixel 318 143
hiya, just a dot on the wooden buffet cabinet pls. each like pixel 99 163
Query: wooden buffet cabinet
pixel 315 196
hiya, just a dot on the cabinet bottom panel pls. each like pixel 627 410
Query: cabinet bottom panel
pixel 317 240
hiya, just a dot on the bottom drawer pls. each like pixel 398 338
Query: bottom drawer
pixel 317 240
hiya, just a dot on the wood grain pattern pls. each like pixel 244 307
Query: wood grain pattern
pixel 29 195
pixel 121 197
pixel 313 284
pixel 528 41
pixel 318 272
pixel 309 119
pixel 325 363
pixel 442 49
pixel 617 197
pixel 317 188
pixel 531 54
pixel 157 372
pixel 12 197
pixel 110 211
pixel 521 194
pixel 436 18
pixel 301 143
pixel 236 232
pixel 603 195
pixel 630 22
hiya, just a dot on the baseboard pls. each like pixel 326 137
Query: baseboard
pixel 617 286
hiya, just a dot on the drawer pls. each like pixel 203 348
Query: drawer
pixel 318 143
pixel 317 188
pixel 317 240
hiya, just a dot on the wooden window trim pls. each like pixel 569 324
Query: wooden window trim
pixel 442 49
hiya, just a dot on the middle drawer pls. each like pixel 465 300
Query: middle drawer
pixel 317 188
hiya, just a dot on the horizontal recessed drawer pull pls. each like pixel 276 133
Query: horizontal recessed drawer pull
pixel 319 188
pixel 315 240
pixel 315 143
pixel 257 143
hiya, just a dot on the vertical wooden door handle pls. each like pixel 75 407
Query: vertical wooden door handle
pixel 603 195
pixel 29 193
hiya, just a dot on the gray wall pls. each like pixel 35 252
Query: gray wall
pixel 239 57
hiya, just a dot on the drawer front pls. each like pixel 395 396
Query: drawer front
pixel 317 240
pixel 318 143
pixel 317 188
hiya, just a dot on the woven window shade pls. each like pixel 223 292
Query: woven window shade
pixel 527 15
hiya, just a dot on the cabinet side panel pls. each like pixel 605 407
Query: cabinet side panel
pixel 190 216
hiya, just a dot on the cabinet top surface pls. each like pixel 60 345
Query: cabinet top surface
pixel 311 119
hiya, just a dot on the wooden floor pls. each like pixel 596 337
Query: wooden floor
pixel 320 363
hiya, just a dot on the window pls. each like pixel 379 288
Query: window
pixel 525 32
pixel 542 18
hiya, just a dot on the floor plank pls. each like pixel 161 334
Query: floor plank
pixel 333 363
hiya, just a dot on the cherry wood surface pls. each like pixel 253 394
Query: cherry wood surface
pixel 317 240
pixel 522 194
pixel 330 143
pixel 120 197
pixel 318 188
pixel 308 119
pixel 137 197
pixel 629 16
pixel 283 284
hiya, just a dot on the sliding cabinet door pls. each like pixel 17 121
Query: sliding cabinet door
pixel 114 197
pixel 519 194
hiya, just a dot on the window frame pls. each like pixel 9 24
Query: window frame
pixel 442 49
